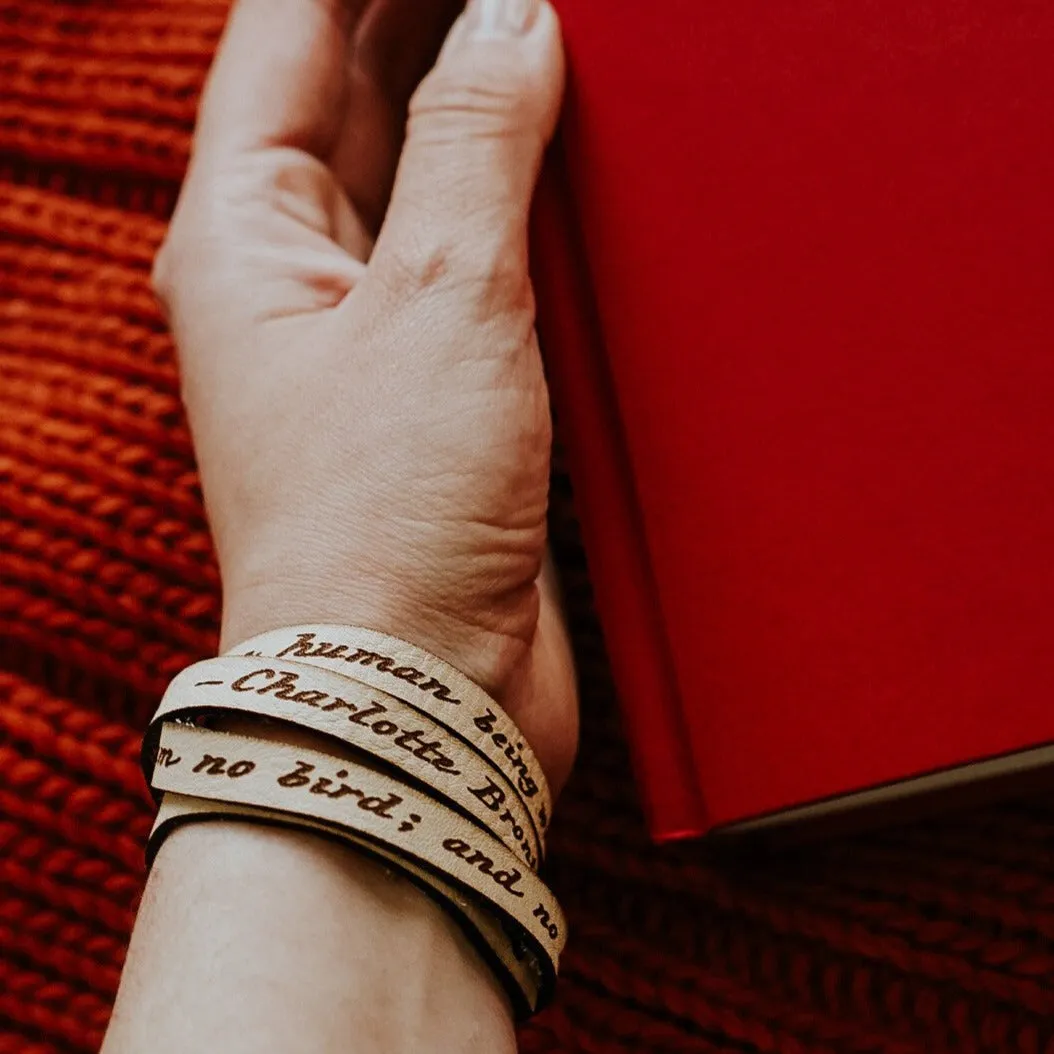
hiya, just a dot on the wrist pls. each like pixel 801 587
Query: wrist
pixel 489 657
pixel 322 939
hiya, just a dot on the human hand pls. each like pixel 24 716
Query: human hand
pixel 359 361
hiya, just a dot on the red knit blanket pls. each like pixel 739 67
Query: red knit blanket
pixel 923 939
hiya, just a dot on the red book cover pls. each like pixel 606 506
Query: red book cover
pixel 795 269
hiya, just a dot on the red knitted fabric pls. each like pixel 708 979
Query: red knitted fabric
pixel 924 939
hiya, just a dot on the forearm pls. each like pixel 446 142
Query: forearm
pixel 257 939
pixel 372 427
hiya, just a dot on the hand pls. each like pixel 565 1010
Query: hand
pixel 355 327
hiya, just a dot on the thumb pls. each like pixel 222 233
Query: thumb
pixel 478 126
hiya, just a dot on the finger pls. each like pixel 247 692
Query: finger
pixel 478 127
pixel 396 44
pixel 279 78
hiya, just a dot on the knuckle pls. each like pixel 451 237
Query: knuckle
pixel 163 272
pixel 419 266
pixel 168 266
pixel 498 90
pixel 191 247
pixel 488 269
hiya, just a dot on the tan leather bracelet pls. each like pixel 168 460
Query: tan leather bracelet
pixel 528 979
pixel 406 671
pixel 306 783
pixel 362 717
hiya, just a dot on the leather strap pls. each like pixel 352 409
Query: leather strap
pixel 528 979
pixel 374 805
pixel 404 670
pixel 365 718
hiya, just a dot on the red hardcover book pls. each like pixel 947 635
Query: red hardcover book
pixel 796 290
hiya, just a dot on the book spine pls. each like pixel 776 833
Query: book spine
pixel 607 508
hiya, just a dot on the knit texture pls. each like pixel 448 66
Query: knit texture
pixel 921 939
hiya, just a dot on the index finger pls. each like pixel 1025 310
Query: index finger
pixel 279 78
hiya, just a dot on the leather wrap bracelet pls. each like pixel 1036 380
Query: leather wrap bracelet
pixel 427 775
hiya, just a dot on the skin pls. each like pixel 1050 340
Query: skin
pixel 346 280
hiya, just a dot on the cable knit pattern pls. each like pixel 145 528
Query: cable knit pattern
pixel 918 940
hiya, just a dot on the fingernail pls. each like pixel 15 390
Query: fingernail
pixel 501 18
